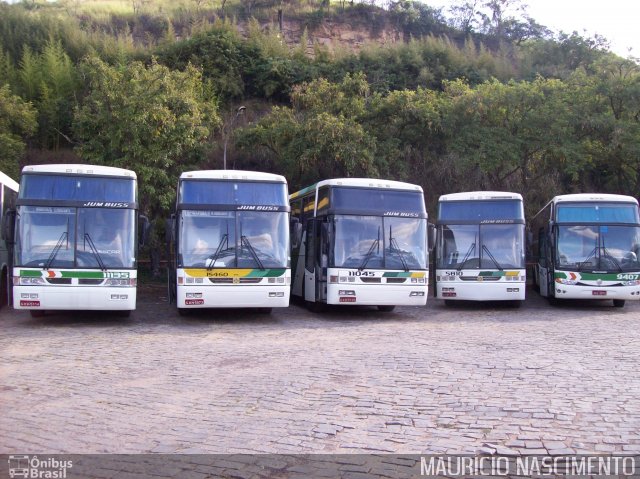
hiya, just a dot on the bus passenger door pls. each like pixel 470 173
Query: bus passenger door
pixel 322 259
pixel 542 269
pixel 309 262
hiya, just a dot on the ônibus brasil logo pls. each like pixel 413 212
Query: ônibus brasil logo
pixel 35 468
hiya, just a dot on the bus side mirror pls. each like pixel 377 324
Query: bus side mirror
pixel 296 232
pixel 8 226
pixel 431 236
pixel 143 230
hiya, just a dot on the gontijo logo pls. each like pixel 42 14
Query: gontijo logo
pixel 33 467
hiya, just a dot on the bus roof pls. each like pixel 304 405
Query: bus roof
pixel 77 169
pixel 481 195
pixel 578 197
pixel 359 183
pixel 232 175
pixel 8 181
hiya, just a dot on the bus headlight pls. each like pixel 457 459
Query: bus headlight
pixel 631 283
pixel 25 281
pixel 569 282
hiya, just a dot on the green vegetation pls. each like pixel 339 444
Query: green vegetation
pixel 481 97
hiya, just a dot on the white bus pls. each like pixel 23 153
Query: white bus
pixel 480 247
pixel 586 246
pixel 8 197
pixel 230 237
pixel 75 239
pixel 360 241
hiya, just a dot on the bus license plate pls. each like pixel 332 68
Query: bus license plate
pixel 597 292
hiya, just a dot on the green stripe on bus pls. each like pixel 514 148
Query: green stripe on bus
pixel 597 276
pixel 29 273
pixel 82 274
pixel 267 273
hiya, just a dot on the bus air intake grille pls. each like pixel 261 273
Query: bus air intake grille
pixel 237 280
pixel 484 278
pixel 396 280
pixel 58 280
pixel 373 280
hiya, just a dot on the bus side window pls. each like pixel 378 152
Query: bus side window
pixel 308 205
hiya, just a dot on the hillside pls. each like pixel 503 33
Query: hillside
pixel 329 89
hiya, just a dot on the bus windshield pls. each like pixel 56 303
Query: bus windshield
pixel 223 192
pixel 53 237
pixel 598 213
pixel 230 239
pixel 598 247
pixel 77 188
pixel 379 242
pixel 491 246
pixel 478 211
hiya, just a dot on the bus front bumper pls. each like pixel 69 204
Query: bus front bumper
pixel 233 296
pixel 377 295
pixel 477 291
pixel 99 298
pixel 563 291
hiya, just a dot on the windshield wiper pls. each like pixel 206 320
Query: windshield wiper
pixel 56 248
pixel 472 248
pixel 94 250
pixel 486 250
pixel 606 252
pixel 369 254
pixel 214 257
pixel 394 244
pixel 594 251
pixel 245 241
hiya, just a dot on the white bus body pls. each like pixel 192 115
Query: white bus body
pixel 75 239
pixel 8 197
pixel 360 242
pixel 480 248
pixel 230 240
pixel 586 246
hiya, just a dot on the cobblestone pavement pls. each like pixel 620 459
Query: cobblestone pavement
pixel 468 379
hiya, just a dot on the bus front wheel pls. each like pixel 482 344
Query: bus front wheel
pixel 618 303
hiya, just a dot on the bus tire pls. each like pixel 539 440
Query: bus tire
pixel 618 303
pixel 4 292
pixel 37 313
pixel 386 308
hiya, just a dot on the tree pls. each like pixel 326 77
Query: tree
pixel 17 120
pixel 150 119
pixel 321 136
pixel 608 125
pixel 517 136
